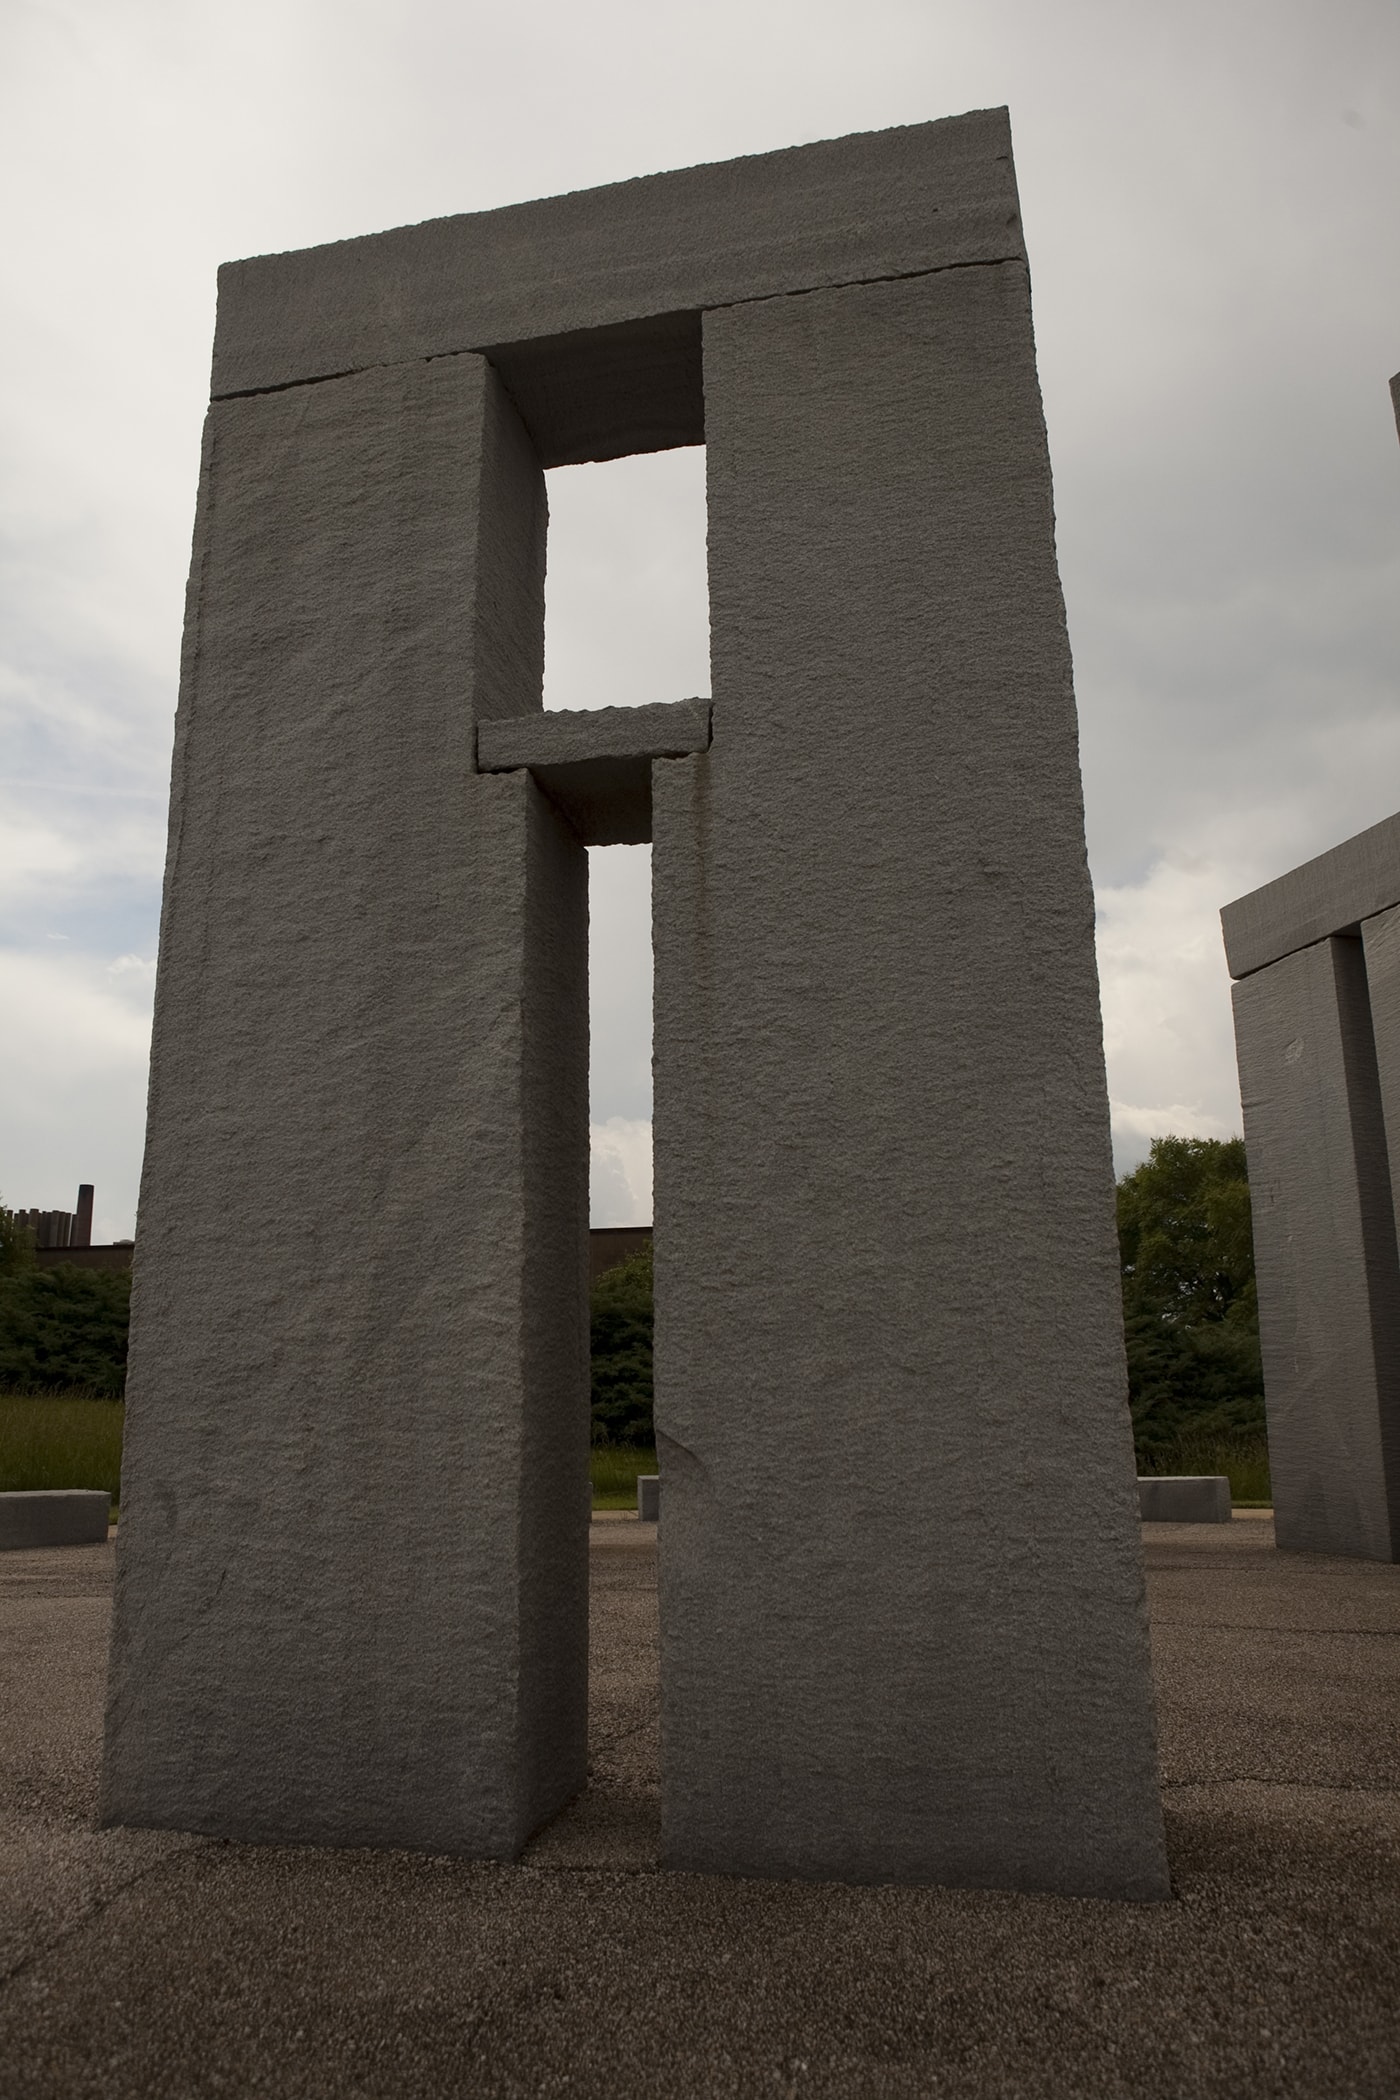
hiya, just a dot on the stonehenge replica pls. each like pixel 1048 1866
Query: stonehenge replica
pixel 1317 1033
pixel 1316 956
pixel 903 1627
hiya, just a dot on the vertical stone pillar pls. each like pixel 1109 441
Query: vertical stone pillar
pixel 1380 936
pixel 352 1601
pixel 1324 1239
pixel 1380 939
pixel 902 1607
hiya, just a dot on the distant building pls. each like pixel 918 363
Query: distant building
pixel 610 1244
pixel 66 1236
pixel 61 1228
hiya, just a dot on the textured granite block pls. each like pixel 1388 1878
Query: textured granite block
pixel 1184 1498
pixel 352 1603
pixel 1380 940
pixel 588 304
pixel 575 736
pixel 1325 1251
pixel 649 1497
pixel 595 763
pixel 54 1517
pixel 879 1071
pixel 1330 894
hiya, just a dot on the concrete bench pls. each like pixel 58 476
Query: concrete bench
pixel 1184 1498
pixel 54 1517
pixel 649 1497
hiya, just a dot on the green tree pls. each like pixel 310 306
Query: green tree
pixel 1190 1308
pixel 621 1353
pixel 61 1326
pixel 16 1245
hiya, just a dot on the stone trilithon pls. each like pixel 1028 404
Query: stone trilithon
pixel 903 1634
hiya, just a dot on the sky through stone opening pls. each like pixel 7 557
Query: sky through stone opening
pixel 626 622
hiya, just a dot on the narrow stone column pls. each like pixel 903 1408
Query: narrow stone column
pixel 1380 938
pixel 902 1604
pixel 1324 1239
pixel 352 1601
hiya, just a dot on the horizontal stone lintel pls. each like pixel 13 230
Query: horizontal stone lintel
pixel 595 763
pixel 878 204
pixel 1329 895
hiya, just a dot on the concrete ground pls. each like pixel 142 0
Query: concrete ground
pixel 143 1964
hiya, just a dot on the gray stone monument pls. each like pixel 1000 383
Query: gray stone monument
pixel 1317 1037
pixel 1317 1033
pixel 903 1627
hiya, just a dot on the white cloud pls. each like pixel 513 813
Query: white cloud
pixel 626 599
pixel 134 974
pixel 1168 1037
pixel 73 1057
pixel 1207 190
pixel 620 1176
pixel 33 853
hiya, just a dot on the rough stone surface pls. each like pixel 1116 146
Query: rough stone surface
pixel 1380 941
pixel 1187 1498
pixel 1318 1041
pixel 649 1497
pixel 352 1592
pixel 1325 1249
pixel 1331 894
pixel 879 1071
pixel 595 763
pixel 878 1055
pixel 587 303
pixel 53 1517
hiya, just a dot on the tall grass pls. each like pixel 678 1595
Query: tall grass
pixel 614 1469
pixel 70 1440
pixel 60 1440
pixel 1245 1459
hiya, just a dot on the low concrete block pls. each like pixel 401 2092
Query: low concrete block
pixel 649 1497
pixel 1184 1498
pixel 54 1517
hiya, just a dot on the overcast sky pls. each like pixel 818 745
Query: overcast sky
pixel 1212 201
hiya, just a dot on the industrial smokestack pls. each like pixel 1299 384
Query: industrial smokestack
pixel 82 1217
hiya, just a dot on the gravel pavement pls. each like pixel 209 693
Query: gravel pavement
pixel 137 1965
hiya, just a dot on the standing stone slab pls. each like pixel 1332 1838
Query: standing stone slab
pixel 1325 1256
pixel 1317 1037
pixel 1380 941
pixel 352 1580
pixel 884 1239
pixel 351 1601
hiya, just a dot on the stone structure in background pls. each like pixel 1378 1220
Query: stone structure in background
pixel 903 1630
pixel 1317 1037
pixel 1317 1033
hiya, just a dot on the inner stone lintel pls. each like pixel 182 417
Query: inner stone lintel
pixel 595 763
